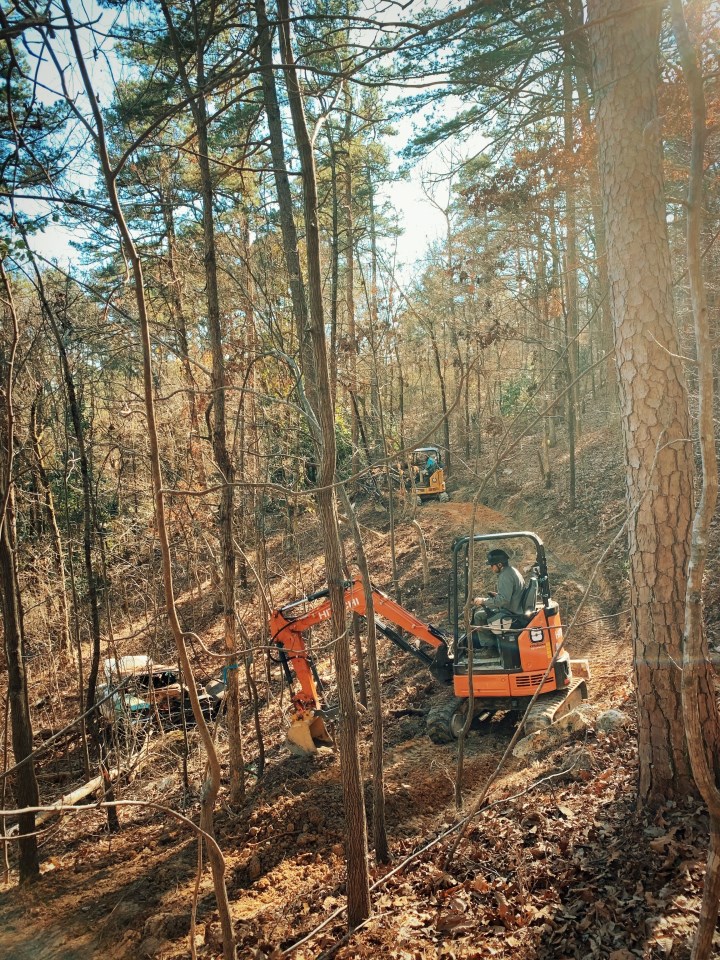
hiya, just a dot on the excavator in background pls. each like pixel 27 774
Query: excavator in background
pixel 424 474
pixel 504 681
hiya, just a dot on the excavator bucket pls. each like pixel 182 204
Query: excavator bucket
pixel 307 734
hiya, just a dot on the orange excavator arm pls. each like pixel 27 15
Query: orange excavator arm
pixel 287 629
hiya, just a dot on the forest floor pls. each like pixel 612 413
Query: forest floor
pixel 559 864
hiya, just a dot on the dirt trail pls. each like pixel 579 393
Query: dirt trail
pixel 26 935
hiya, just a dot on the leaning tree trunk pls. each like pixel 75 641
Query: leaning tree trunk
pixel 212 784
pixel 358 889
pixel 654 404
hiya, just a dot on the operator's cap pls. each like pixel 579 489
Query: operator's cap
pixel 497 556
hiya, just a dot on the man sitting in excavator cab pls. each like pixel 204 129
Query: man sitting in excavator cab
pixel 431 465
pixel 494 614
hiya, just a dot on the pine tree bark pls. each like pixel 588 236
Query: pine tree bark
pixel 700 710
pixel 654 408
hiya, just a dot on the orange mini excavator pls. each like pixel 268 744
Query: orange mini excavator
pixel 527 653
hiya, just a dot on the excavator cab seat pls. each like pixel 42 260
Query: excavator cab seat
pixel 528 603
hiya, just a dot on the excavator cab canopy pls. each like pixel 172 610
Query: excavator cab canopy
pixel 529 551
pixel 421 455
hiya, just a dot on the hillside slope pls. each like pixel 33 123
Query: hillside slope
pixel 557 865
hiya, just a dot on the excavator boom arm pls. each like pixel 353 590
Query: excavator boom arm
pixel 287 629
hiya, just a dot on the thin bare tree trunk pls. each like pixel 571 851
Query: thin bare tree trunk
pixel 571 266
pixel 584 84
pixel 373 327
pixel 180 322
pixel 3 792
pixel 334 266
pixel 55 538
pixel 698 700
pixel 401 394
pixel 443 394
pixel 380 839
pixel 221 454
pixel 89 529
pixel 350 279
pixel 25 785
pixel 212 785
pixel 79 433
pixel 358 889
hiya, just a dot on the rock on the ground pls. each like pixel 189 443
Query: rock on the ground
pixel 150 947
pixel 573 722
pixel 167 925
pixel 611 720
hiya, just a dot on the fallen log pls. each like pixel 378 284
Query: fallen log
pixel 70 799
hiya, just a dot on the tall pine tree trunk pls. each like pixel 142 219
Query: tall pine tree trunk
pixel 654 404
pixel 285 203
pixel 221 454
pixel 698 700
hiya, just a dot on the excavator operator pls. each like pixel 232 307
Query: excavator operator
pixel 495 613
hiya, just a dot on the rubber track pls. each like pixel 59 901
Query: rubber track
pixel 545 708
pixel 439 719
